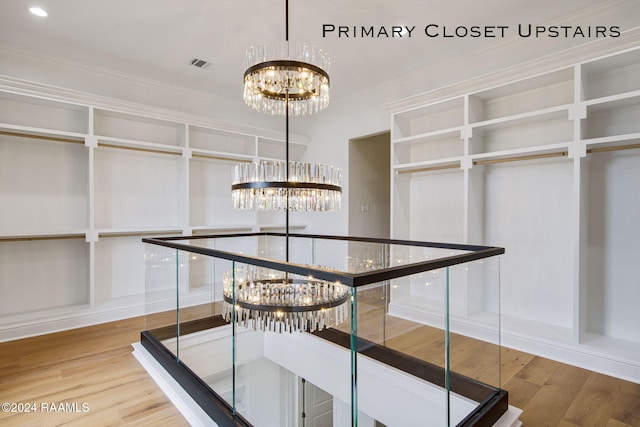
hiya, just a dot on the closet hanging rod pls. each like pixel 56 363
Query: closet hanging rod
pixel 429 169
pixel 227 159
pixel 139 234
pixel 613 148
pixel 146 150
pixel 33 238
pixel 519 158
pixel 43 137
pixel 205 231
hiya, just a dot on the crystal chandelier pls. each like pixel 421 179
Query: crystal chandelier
pixel 271 300
pixel 264 186
pixel 268 299
pixel 301 77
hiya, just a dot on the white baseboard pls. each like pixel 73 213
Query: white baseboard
pixel 25 325
pixel 511 418
pixel 601 358
pixel 574 354
pixel 71 319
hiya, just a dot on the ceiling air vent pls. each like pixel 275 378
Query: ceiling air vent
pixel 200 63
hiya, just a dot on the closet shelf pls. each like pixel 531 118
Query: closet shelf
pixel 454 132
pixel 220 155
pixel 276 227
pixel 213 229
pixel 545 114
pixel 137 231
pixel 410 167
pixel 532 152
pixel 128 144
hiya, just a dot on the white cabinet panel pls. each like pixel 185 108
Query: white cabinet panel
pixel 613 272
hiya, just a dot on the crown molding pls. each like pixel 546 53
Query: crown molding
pixel 585 52
pixel 54 93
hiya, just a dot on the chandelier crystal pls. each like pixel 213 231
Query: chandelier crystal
pixel 271 300
pixel 264 186
pixel 278 71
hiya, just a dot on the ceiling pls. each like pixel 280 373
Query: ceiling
pixel 157 39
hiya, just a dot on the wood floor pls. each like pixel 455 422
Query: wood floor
pixel 95 366
pixel 92 365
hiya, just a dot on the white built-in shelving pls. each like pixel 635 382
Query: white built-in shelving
pixel 81 185
pixel 548 167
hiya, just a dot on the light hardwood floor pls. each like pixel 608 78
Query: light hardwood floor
pixel 94 365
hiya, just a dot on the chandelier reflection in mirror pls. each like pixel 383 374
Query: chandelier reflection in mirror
pixel 285 80
pixel 271 300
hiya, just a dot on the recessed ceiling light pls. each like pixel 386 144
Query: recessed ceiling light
pixel 38 11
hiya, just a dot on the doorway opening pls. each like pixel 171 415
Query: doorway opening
pixel 369 185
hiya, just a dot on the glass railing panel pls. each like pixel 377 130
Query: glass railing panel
pixel 475 322
pixel 249 245
pixel 401 360
pixel 205 337
pixel 474 339
pixel 161 298
pixel 347 255
pixel 401 255
pixel 353 256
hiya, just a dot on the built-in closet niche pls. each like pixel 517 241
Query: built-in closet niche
pixel 612 272
pixel 528 209
pixel 136 189
pixel 43 184
pixel 210 193
pixel 551 171
pixel 45 275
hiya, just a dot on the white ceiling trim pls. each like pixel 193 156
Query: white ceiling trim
pixel 629 40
